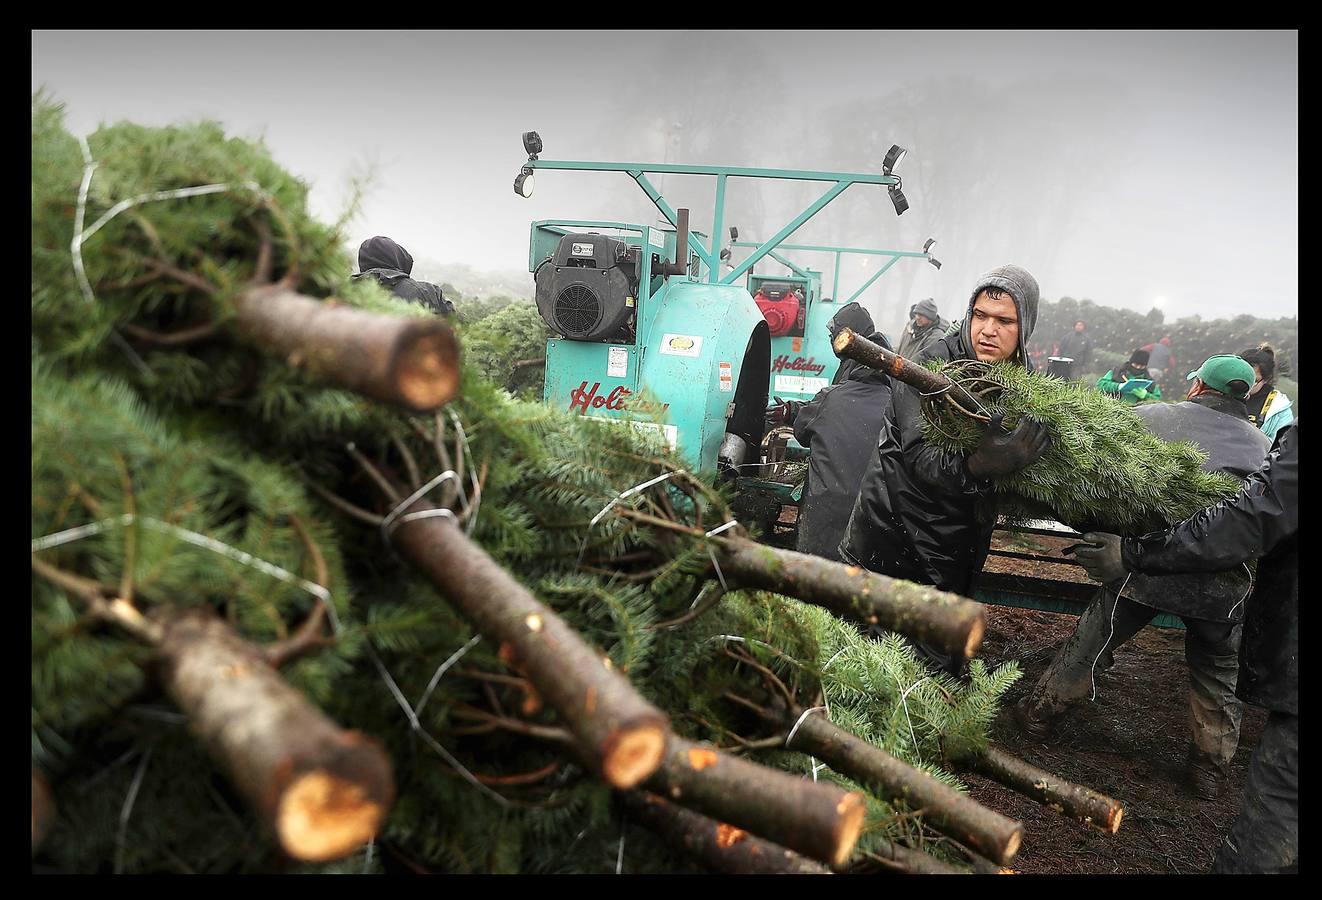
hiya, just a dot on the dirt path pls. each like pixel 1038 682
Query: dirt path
pixel 1130 743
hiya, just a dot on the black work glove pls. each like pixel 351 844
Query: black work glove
pixel 1100 557
pixel 782 412
pixel 1004 452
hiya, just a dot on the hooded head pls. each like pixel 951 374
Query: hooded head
pixel 852 316
pixel 1022 288
pixel 383 253
pixel 1139 358
pixel 1165 340
pixel 925 308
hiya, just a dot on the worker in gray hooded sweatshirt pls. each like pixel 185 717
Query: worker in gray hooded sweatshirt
pixel 391 265
pixel 925 514
pixel 925 328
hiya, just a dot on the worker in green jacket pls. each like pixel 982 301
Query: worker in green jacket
pixel 1117 381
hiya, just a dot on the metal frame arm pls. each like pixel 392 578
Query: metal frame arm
pixel 711 256
pixel 867 284
pixel 672 217
pixel 774 242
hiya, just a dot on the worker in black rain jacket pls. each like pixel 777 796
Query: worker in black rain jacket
pixel 840 427
pixel 1260 522
pixel 925 514
pixel 1215 418
pixel 852 316
pixel 856 318
pixel 390 264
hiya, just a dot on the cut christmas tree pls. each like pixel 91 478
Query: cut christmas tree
pixel 288 614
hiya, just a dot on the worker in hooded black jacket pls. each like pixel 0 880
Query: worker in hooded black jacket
pixel 1210 604
pixel 840 427
pixel 925 514
pixel 855 317
pixel 390 264
pixel 1260 522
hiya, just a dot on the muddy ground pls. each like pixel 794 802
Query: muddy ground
pixel 1130 743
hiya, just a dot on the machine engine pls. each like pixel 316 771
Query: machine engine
pixel 587 290
pixel 783 308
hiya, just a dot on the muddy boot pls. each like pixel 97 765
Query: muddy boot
pixel 1031 719
pixel 1206 778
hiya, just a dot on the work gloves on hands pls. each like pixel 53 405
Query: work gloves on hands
pixel 1100 556
pixel 1003 452
pixel 1141 393
pixel 782 412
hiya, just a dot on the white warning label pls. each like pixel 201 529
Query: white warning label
pixel 800 384
pixel 726 377
pixel 669 432
pixel 617 365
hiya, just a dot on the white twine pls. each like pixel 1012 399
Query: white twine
pixel 70 535
pixel 619 858
pixel 121 838
pixel 807 712
pixel 393 519
pixel 82 234
pixel 825 700
pixel 416 726
pixel 718 529
pixel 904 702
pixel 472 476
pixel 623 495
pixel 1249 569
pixel 720 576
pixel 367 857
pixel 1092 671
pixel 441 669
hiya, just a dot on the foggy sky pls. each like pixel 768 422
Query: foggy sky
pixel 1131 168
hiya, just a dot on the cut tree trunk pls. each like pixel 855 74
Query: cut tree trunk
pixel 943 808
pixel 1079 803
pixel 818 820
pixel 721 847
pixel 43 809
pixel 622 735
pixel 914 862
pixel 947 621
pixel 851 345
pixel 406 361
pixel 322 790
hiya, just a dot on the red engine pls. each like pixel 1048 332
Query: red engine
pixel 782 310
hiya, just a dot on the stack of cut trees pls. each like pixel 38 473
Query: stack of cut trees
pixel 308 595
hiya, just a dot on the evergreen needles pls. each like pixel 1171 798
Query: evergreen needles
pixel 235 503
pixel 1104 470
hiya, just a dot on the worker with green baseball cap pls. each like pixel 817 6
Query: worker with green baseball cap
pixel 1227 374
pixel 1215 419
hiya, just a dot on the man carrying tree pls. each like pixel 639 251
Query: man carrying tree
pixel 390 264
pixel 925 514
pixel 1260 522
pixel 1213 417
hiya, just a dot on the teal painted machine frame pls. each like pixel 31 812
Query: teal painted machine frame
pixel 696 334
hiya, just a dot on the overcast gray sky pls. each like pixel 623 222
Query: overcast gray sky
pixel 1132 168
